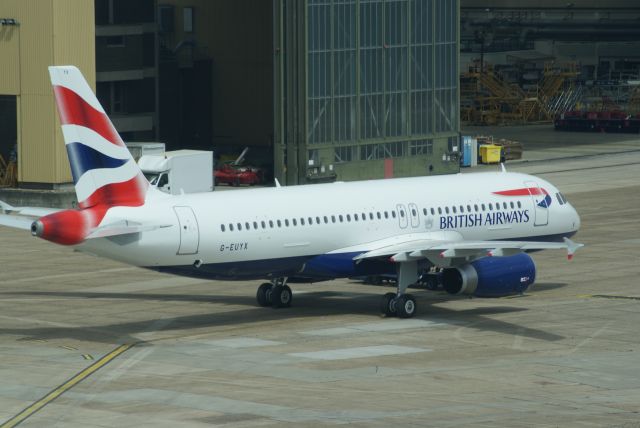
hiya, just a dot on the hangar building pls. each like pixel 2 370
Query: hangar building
pixel 318 89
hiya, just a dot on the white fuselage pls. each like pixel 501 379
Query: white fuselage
pixel 272 231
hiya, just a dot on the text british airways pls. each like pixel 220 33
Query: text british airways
pixel 488 219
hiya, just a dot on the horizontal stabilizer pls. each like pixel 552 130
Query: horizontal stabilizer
pixel 16 222
pixel 123 227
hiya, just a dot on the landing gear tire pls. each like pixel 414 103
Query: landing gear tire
pixel 405 306
pixel 281 296
pixel 263 296
pixel 388 305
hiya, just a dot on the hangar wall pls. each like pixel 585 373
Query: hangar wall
pixel 48 32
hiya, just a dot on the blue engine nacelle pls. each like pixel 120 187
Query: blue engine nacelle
pixel 491 276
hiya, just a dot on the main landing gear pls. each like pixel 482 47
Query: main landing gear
pixel 400 304
pixel 276 294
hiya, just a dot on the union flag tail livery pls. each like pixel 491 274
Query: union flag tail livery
pixel 104 172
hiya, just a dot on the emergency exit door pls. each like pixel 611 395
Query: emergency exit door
pixel 189 232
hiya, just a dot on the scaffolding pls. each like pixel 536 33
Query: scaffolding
pixel 487 98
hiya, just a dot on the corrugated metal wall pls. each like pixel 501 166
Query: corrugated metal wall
pixel 51 32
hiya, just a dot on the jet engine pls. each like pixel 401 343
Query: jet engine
pixel 491 276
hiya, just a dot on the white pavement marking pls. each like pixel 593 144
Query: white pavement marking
pixel 386 325
pixel 152 284
pixel 67 275
pixel 359 352
pixel 243 342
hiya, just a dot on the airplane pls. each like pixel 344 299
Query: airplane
pixel 477 227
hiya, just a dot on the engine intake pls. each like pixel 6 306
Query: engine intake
pixel 491 276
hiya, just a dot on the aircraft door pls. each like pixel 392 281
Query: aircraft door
pixel 414 215
pixel 402 216
pixel 189 231
pixel 540 203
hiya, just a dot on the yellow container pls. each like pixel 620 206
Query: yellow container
pixel 490 153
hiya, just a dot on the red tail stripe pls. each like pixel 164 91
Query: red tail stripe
pixel 74 110
pixel 129 193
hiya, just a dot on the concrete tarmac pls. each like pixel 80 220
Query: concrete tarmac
pixel 201 353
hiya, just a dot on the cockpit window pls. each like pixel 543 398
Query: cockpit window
pixel 561 199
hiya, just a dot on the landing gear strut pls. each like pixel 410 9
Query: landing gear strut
pixel 400 304
pixel 276 294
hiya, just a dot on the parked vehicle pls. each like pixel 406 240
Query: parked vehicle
pixel 179 171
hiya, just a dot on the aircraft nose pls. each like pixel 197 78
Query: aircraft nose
pixel 576 219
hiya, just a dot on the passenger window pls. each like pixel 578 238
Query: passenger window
pixel 379 216
pixel 483 207
pixel 279 223
pixel 439 210
pixel 468 208
pixel 433 211
pixel 239 226
pixel 317 220
pixel 461 209
pixel 301 221
pixel 255 224
pixel 475 207
pixel 340 217
pixel 490 206
pixel 348 217
pixel 333 219
pixel 263 224
pixel 519 204
pixel 222 227
pixel 393 214
pixel 453 208
pixel 293 220
pixel 446 210
pixel 413 212
pixel 326 220
pixel 247 226
pixel 402 213
pixel 271 224
pixel 355 217
pixel 286 222
pixel 386 214
pixel 231 227
pixel 512 205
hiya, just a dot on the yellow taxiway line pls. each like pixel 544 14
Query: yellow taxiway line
pixel 57 392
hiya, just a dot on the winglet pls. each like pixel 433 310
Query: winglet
pixel 572 247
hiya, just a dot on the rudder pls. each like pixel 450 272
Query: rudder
pixel 103 170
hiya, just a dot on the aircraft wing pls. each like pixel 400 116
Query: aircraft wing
pixel 451 252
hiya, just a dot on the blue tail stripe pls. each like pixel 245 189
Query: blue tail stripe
pixel 83 158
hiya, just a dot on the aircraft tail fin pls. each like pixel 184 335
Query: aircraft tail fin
pixel 104 172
